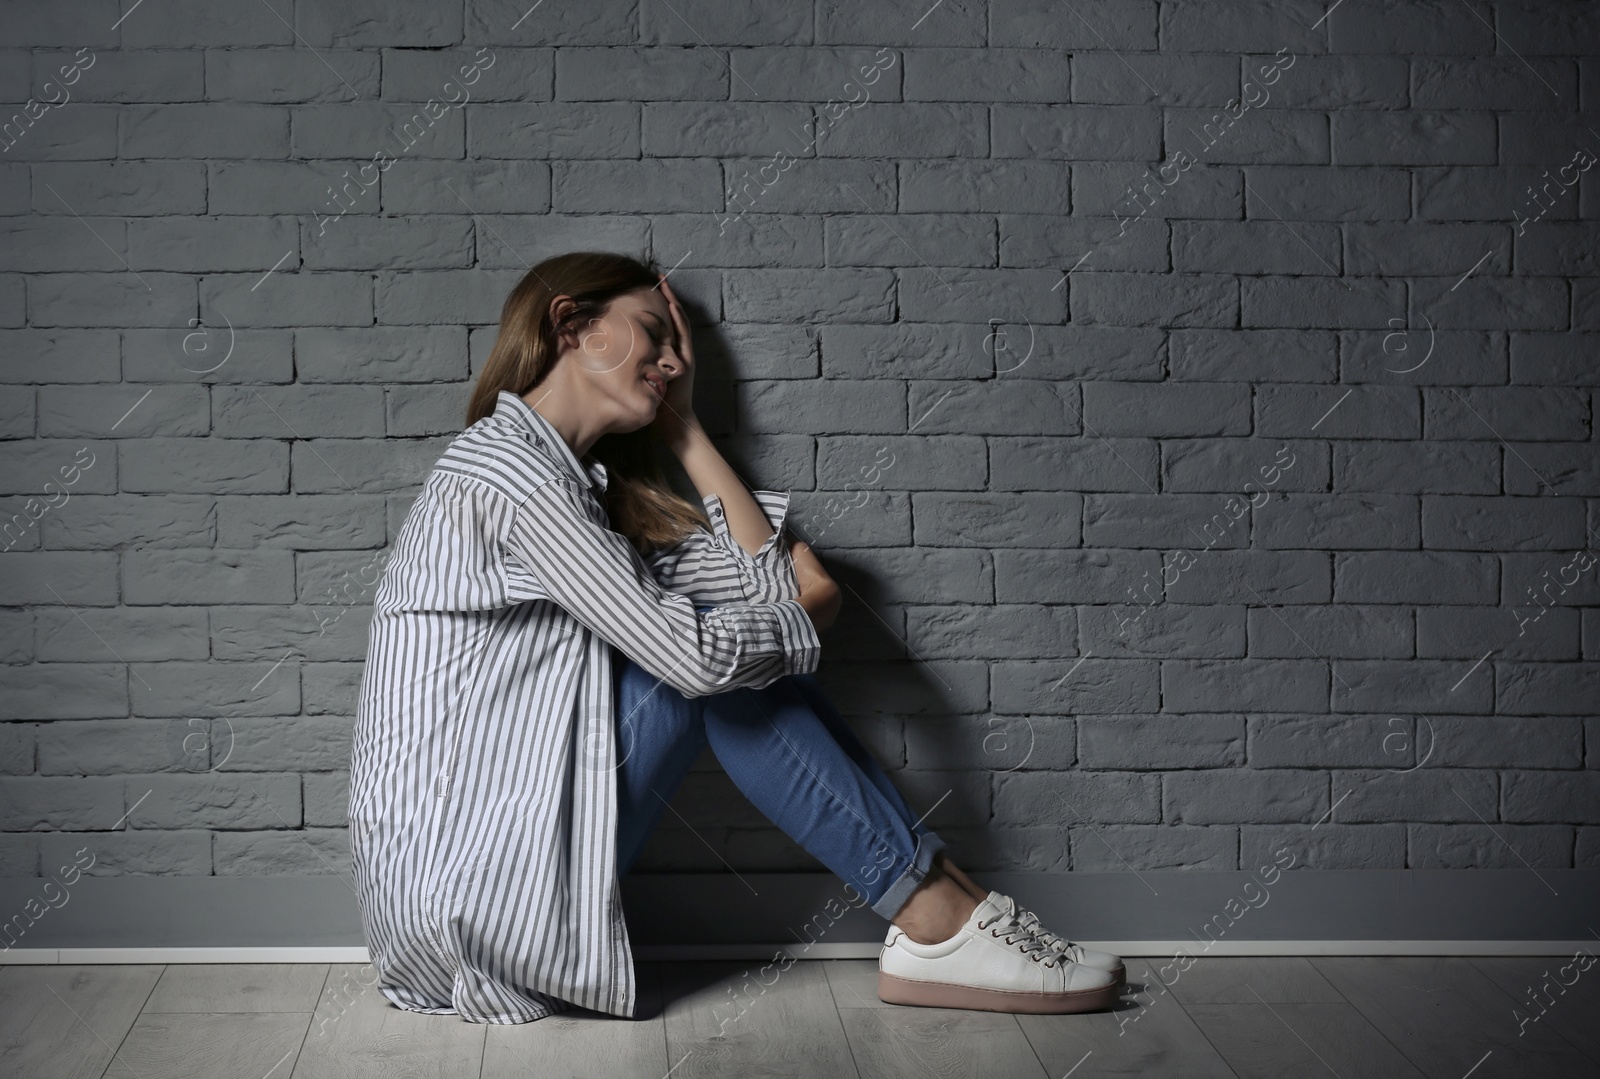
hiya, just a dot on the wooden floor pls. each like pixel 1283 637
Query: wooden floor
pixel 1276 1018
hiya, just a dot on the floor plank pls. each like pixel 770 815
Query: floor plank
pixel 1299 1041
pixel 68 1020
pixel 1447 1017
pixel 239 987
pixel 359 1034
pixel 578 1045
pixel 1532 983
pixel 854 983
pixel 753 1020
pixel 1148 1033
pixel 1254 980
pixel 193 1045
pixel 1391 1016
pixel 917 1042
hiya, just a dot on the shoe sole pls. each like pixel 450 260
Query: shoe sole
pixel 925 994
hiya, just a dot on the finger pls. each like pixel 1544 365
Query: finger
pixel 673 306
pixel 680 322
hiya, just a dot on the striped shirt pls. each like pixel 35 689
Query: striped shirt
pixel 483 796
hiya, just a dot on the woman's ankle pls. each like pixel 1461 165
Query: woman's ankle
pixel 966 883
pixel 936 911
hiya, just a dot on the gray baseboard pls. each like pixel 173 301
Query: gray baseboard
pixel 716 914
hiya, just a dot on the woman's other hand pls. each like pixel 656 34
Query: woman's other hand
pixel 819 593
pixel 675 420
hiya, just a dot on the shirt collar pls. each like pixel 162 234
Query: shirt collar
pixel 546 438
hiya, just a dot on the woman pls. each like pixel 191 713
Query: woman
pixel 537 684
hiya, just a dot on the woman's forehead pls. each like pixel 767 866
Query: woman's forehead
pixel 649 300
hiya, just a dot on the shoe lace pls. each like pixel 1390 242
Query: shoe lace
pixel 1006 925
pixel 1029 923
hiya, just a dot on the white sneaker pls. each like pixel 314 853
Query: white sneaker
pixel 1071 950
pixel 992 964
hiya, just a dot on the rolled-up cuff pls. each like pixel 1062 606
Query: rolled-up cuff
pixel 802 649
pixel 768 575
pixel 889 904
pixel 774 504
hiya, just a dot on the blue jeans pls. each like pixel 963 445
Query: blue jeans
pixel 790 753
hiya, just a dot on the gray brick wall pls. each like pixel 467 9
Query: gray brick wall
pixel 1195 397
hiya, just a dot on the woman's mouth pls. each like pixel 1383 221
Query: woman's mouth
pixel 657 387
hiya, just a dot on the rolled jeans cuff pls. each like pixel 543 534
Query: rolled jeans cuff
pixel 928 844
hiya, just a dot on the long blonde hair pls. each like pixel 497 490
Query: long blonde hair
pixel 639 500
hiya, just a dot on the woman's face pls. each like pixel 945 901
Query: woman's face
pixel 627 357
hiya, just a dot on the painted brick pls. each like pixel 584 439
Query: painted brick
pixel 1228 796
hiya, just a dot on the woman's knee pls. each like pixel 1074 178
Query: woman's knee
pixel 644 700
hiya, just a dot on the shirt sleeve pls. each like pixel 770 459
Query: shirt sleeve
pixel 710 566
pixel 595 575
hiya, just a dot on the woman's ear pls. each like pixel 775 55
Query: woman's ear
pixel 566 335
